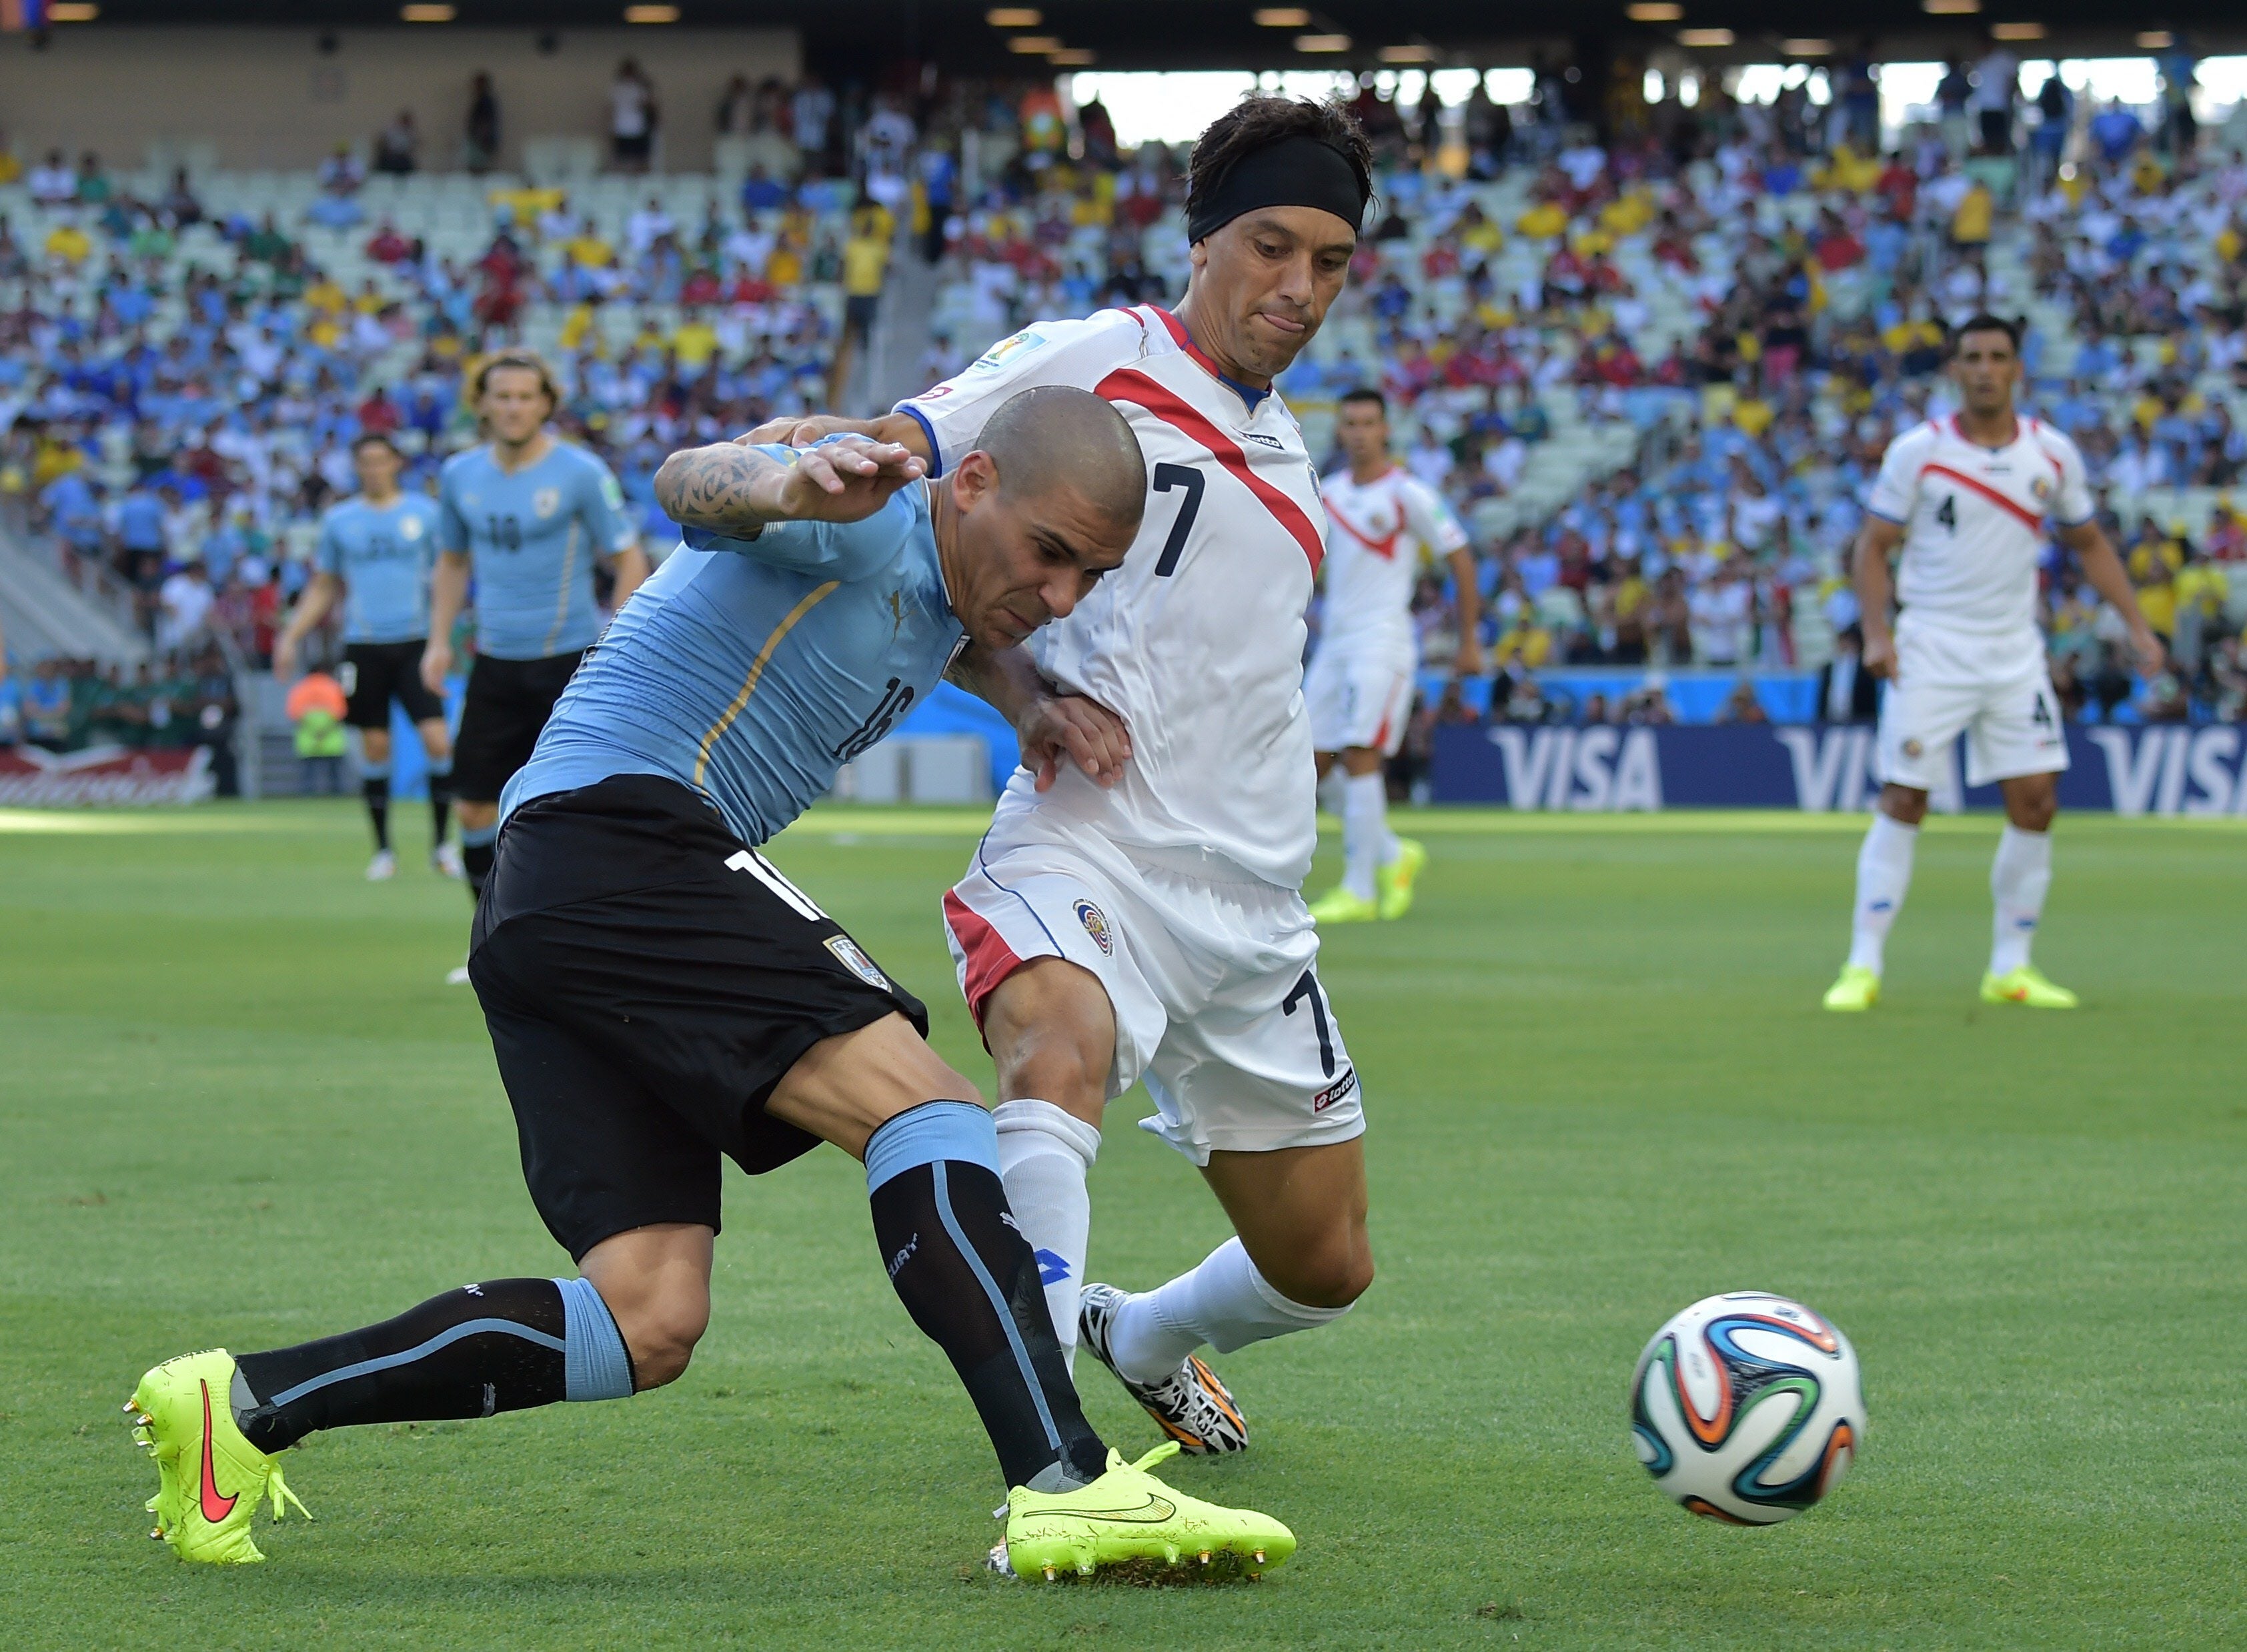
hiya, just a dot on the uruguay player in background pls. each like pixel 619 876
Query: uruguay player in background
pixel 375 556
pixel 662 998
pixel 529 515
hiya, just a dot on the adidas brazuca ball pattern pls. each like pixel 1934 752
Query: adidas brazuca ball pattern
pixel 1747 1407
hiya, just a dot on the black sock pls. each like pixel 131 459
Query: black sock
pixel 441 805
pixel 376 789
pixel 503 1345
pixel 477 855
pixel 970 1281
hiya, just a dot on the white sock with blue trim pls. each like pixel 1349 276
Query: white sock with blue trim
pixel 1043 1155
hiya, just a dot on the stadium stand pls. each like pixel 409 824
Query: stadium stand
pixel 1654 377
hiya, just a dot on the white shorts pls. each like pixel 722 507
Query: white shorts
pixel 1218 1004
pixel 1357 697
pixel 2000 696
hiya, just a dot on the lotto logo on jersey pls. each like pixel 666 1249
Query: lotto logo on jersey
pixel 1096 924
pixel 850 955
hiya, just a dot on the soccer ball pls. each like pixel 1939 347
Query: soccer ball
pixel 1747 1407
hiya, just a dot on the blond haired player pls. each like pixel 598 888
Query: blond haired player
pixel 1968 498
pixel 1387 524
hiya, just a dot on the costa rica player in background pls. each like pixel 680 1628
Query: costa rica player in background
pixel 1967 499
pixel 529 516
pixel 375 557
pixel 1157 928
pixel 1387 524
pixel 661 997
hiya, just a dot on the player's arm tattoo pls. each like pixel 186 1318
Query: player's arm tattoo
pixel 720 486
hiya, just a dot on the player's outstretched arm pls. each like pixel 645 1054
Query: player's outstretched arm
pixel 729 488
pixel 1875 583
pixel 794 431
pixel 2103 569
pixel 1052 727
pixel 312 608
pixel 448 594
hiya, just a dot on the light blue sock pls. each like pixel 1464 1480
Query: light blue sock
pixel 595 1365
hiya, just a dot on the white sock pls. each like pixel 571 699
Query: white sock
pixel 2019 877
pixel 1225 1302
pixel 1044 1154
pixel 1364 826
pixel 1330 789
pixel 1883 875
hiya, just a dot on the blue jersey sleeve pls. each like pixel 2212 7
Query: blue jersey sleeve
pixel 452 527
pixel 601 507
pixel 329 558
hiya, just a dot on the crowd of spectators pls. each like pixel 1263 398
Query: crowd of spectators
pixel 1755 292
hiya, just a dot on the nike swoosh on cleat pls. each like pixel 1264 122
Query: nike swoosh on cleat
pixel 216 1508
pixel 1153 1511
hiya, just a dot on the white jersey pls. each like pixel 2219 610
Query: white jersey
pixel 1385 531
pixel 1197 641
pixel 1974 521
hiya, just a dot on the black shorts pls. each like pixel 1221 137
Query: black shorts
pixel 507 704
pixel 376 673
pixel 858 311
pixel 647 980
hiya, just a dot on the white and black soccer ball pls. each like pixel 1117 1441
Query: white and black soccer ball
pixel 1747 1408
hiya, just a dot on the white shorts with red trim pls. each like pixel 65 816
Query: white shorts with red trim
pixel 1214 987
pixel 1999 693
pixel 1357 697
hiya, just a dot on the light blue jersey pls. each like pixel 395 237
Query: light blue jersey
pixel 383 554
pixel 534 536
pixel 753 670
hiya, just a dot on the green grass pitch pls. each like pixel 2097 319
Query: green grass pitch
pixel 238 1107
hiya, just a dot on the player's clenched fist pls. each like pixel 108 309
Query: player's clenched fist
pixel 1058 728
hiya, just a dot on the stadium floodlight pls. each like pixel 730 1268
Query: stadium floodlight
pixel 2016 31
pixel 1283 18
pixel 426 13
pixel 651 14
pixel 1808 48
pixel 1034 45
pixel 2156 40
pixel 1950 7
pixel 1073 58
pixel 1408 53
pixel 72 12
pixel 1705 37
pixel 1014 17
pixel 1654 11
pixel 1322 42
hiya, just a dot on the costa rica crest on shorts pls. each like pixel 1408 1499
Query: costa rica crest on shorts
pixel 849 953
pixel 1096 924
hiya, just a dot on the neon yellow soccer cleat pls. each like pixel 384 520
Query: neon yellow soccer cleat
pixel 1857 988
pixel 1128 1514
pixel 2026 986
pixel 1338 905
pixel 211 1478
pixel 1395 880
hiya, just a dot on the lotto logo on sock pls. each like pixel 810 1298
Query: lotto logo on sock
pixel 1052 1268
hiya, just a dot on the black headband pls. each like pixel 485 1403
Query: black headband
pixel 1295 172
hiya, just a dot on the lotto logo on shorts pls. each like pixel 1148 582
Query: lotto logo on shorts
pixel 849 954
pixel 1335 1091
pixel 1096 924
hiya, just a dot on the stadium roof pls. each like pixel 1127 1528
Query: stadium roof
pixel 1226 34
